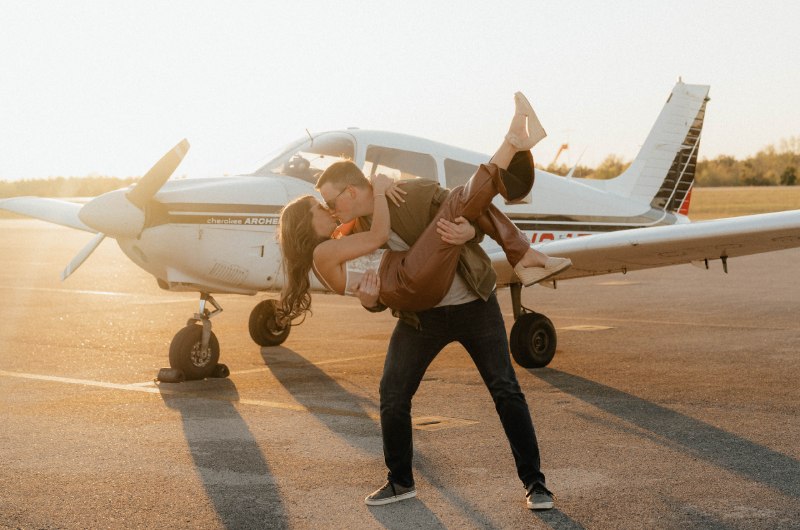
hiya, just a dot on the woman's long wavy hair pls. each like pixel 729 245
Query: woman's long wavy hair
pixel 297 240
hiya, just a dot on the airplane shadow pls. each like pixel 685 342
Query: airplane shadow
pixel 330 403
pixel 714 445
pixel 235 475
pixel 311 386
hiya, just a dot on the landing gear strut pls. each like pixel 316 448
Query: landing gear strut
pixel 533 336
pixel 194 351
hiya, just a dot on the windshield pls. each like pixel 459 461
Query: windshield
pixel 307 158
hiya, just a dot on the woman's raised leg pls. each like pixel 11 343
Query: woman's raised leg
pixel 419 278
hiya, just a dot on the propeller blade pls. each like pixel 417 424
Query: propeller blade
pixel 149 184
pixel 82 255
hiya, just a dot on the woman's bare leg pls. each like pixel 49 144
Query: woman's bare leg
pixel 495 223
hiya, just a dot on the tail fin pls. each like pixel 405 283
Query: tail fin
pixel 662 174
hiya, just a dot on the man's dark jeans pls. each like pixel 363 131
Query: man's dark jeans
pixel 479 327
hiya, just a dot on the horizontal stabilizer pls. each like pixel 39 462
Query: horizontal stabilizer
pixel 56 211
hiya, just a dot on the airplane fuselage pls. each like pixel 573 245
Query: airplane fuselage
pixel 219 235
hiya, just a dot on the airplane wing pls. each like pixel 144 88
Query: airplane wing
pixel 660 246
pixel 56 211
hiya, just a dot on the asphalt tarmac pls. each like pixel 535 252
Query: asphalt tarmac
pixel 672 402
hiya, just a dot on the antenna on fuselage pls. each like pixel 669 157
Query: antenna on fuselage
pixel 572 171
pixel 311 137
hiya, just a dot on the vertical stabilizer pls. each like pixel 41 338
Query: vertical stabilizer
pixel 662 174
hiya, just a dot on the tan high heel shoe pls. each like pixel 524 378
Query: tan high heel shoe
pixel 535 130
pixel 530 275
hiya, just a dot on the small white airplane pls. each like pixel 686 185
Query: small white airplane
pixel 218 235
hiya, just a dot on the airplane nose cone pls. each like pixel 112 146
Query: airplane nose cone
pixel 113 214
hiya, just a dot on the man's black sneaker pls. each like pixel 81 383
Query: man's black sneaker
pixel 390 492
pixel 539 498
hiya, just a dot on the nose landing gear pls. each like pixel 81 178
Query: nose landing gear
pixel 194 351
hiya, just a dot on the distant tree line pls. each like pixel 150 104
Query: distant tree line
pixel 64 186
pixel 772 166
pixel 769 167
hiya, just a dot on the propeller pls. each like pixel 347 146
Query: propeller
pixel 82 255
pixel 122 215
pixel 149 184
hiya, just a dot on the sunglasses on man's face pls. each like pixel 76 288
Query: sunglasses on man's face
pixel 331 204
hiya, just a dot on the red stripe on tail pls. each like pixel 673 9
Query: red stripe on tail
pixel 684 209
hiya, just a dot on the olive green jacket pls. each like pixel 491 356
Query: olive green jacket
pixel 422 200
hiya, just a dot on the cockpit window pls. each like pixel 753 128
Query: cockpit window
pixel 399 164
pixel 307 158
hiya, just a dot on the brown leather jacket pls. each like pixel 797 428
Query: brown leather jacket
pixel 423 199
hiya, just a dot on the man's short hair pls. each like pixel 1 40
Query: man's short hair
pixel 344 173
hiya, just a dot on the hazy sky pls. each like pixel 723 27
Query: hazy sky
pixel 106 87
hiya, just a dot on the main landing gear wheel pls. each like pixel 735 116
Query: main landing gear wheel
pixel 264 328
pixel 533 340
pixel 533 336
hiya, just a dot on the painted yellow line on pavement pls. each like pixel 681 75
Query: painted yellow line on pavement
pixel 694 324
pixel 319 363
pixel 584 327
pixel 147 299
pixel 72 381
pixel 157 389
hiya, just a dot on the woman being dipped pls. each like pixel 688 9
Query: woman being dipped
pixel 416 279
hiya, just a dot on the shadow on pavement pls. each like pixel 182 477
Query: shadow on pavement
pixel 235 475
pixel 557 519
pixel 399 516
pixel 312 387
pixel 702 440
pixel 326 399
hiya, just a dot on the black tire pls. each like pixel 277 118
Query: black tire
pixel 533 340
pixel 185 353
pixel 263 326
